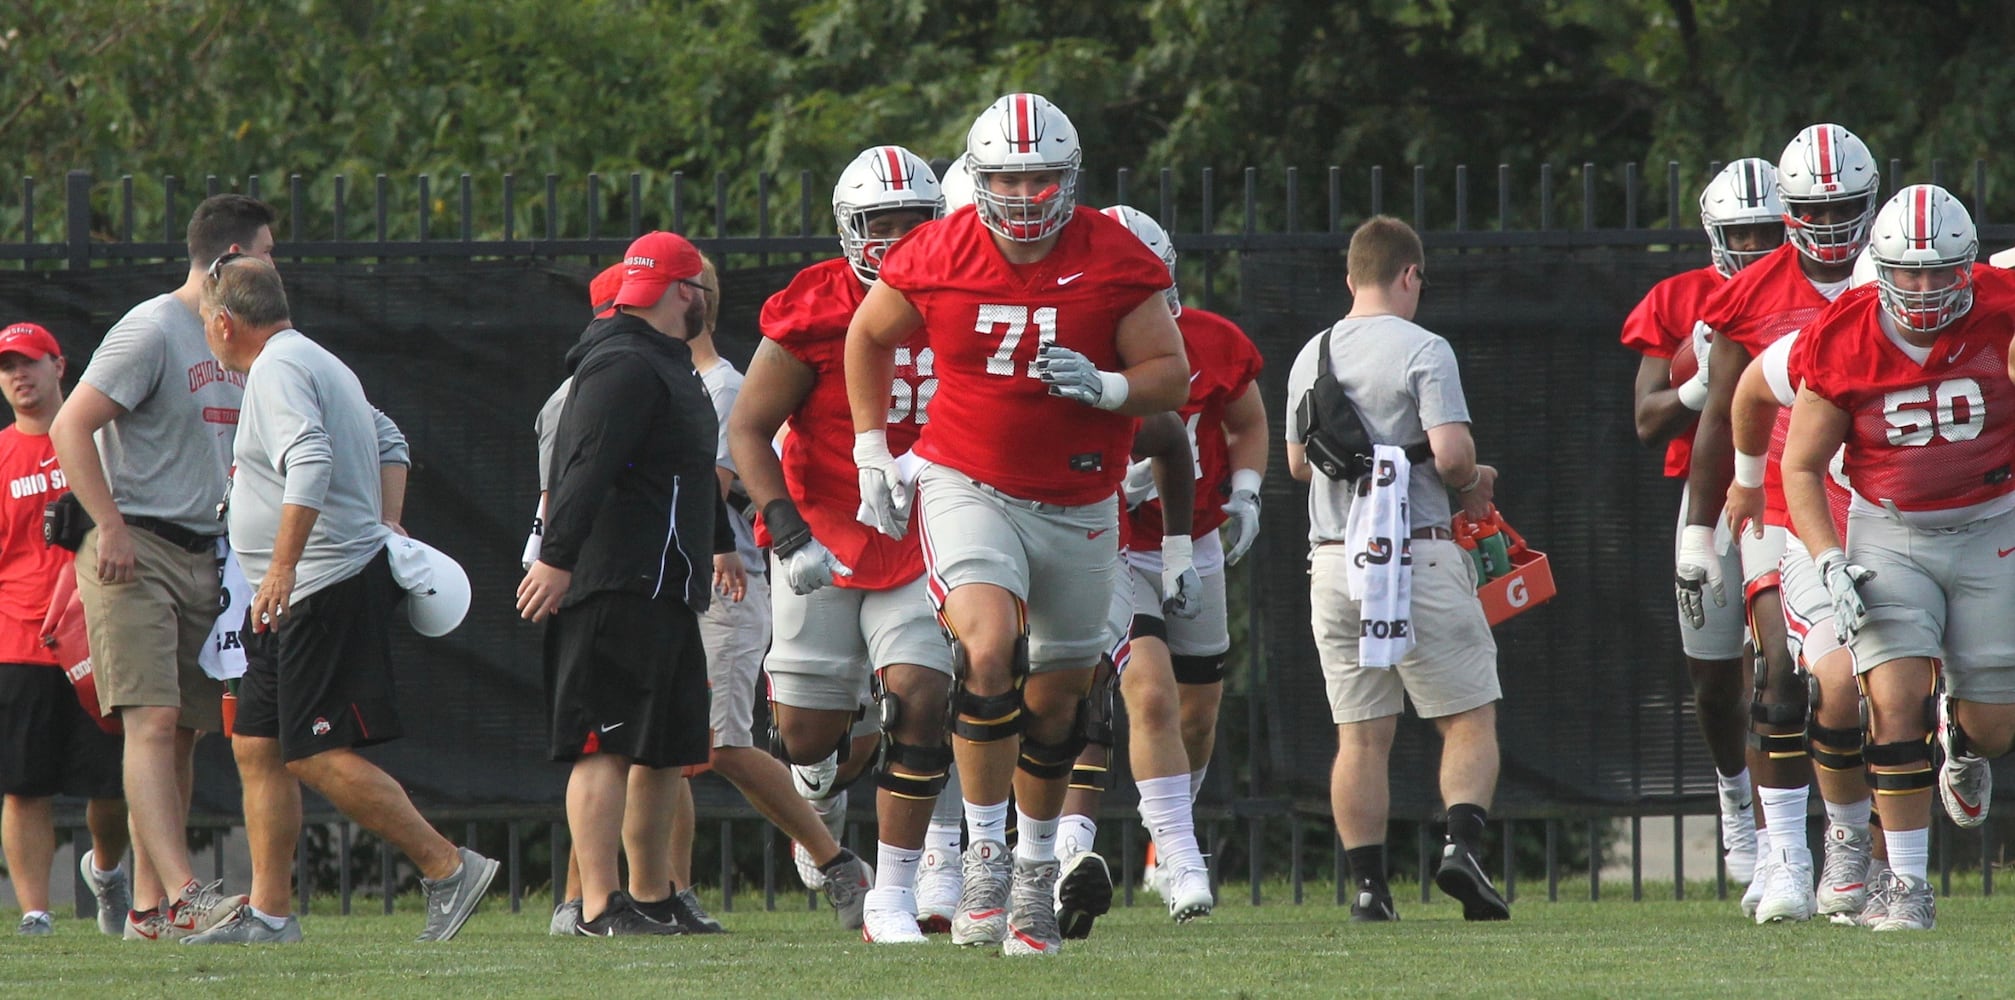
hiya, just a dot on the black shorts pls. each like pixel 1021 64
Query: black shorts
pixel 323 680
pixel 627 675
pixel 48 746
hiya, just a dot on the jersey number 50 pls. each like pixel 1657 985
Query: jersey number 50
pixel 1955 410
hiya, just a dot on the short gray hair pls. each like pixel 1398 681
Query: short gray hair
pixel 247 287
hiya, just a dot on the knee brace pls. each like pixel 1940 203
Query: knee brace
pixel 1776 714
pixel 929 766
pixel 1051 760
pixel 1199 669
pixel 987 718
pixel 1915 755
pixel 1096 719
pixel 1833 749
pixel 781 750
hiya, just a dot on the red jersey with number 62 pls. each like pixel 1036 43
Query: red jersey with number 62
pixel 809 320
pixel 1222 363
pixel 992 418
pixel 28 568
pixel 1661 326
pixel 1931 436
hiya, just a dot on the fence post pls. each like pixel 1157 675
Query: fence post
pixel 77 219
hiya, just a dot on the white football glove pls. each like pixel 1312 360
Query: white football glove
pixel 1697 566
pixel 885 499
pixel 807 564
pixel 1181 587
pixel 1843 580
pixel 1138 487
pixel 1693 392
pixel 1073 376
pixel 1243 510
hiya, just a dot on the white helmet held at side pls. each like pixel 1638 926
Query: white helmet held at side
pixel 958 184
pixel 1744 193
pixel 1826 164
pixel 436 586
pixel 1024 133
pixel 1924 244
pixel 880 179
pixel 1150 232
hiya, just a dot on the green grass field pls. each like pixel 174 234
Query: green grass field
pixel 1576 949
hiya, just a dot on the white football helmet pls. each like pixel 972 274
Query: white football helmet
pixel 881 179
pixel 1744 193
pixel 1024 133
pixel 1924 245
pixel 1822 165
pixel 958 184
pixel 1150 232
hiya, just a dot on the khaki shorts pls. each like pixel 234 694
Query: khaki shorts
pixel 1207 634
pixel 734 634
pixel 147 635
pixel 1060 561
pixel 830 639
pixel 1720 637
pixel 1453 665
pixel 1939 593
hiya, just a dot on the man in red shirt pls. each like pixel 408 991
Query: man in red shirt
pixel 1744 221
pixel 1913 376
pixel 47 744
pixel 1827 181
pixel 1050 337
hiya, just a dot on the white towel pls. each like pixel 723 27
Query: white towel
pixel 1378 536
pixel 223 657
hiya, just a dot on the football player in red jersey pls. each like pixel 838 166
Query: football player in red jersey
pixel 847 601
pixel 1914 377
pixel 1827 181
pixel 1175 679
pixel 1744 220
pixel 1050 338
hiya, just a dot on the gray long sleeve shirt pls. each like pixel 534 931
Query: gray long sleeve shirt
pixel 307 436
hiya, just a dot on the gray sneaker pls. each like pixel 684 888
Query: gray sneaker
pixel 36 925
pixel 244 927
pixel 1877 907
pixel 566 917
pixel 1912 905
pixel 847 881
pixel 1843 876
pixel 1032 926
pixel 113 895
pixel 451 900
pixel 1965 781
pixel 982 916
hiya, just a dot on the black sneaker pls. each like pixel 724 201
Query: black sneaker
pixel 1462 877
pixel 1083 894
pixel 1373 904
pixel 622 919
pixel 664 911
pixel 686 906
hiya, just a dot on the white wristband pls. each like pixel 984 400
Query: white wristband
pixel 1693 394
pixel 1112 390
pixel 1748 470
pixel 1245 481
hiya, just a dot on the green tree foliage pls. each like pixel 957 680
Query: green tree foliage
pixel 740 87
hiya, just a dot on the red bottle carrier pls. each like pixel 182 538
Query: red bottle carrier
pixel 1526 584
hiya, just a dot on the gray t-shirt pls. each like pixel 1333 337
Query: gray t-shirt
pixel 168 455
pixel 724 383
pixel 1403 381
pixel 547 426
pixel 309 437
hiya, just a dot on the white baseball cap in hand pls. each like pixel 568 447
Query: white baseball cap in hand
pixel 437 588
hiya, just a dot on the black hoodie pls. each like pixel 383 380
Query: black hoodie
pixel 634 497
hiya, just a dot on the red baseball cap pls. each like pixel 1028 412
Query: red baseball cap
pixel 652 264
pixel 29 340
pixel 602 290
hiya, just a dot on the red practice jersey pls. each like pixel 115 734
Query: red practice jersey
pixel 809 319
pixel 28 567
pixel 1763 302
pixel 1662 326
pixel 1222 363
pixel 1927 437
pixel 991 418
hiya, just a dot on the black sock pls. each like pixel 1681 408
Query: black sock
pixel 1367 864
pixel 1465 824
pixel 839 860
pixel 663 911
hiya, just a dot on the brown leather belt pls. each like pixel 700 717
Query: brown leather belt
pixel 1432 532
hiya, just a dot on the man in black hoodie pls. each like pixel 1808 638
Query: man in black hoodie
pixel 625 567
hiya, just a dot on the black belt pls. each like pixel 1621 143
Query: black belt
pixel 176 535
pixel 1429 532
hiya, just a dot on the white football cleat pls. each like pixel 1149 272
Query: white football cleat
pixel 1788 895
pixel 1188 894
pixel 890 917
pixel 939 880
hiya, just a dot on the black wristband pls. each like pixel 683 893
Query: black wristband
pixel 788 530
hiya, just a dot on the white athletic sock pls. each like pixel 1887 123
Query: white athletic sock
pixel 987 822
pixel 1164 808
pixel 1196 782
pixel 99 875
pixel 1035 839
pixel 1075 834
pixel 896 867
pixel 942 835
pixel 1854 814
pixel 1910 851
pixel 1784 811
pixel 268 919
pixel 1734 786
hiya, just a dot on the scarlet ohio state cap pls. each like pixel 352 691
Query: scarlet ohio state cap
pixel 653 262
pixel 29 340
pixel 602 290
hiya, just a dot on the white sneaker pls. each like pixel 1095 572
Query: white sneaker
pixel 939 879
pixel 1965 781
pixel 112 895
pixel 1738 835
pixel 1843 875
pixel 833 813
pixel 1788 896
pixel 890 917
pixel 1188 894
pixel 1912 905
pixel 1753 896
pixel 1876 909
